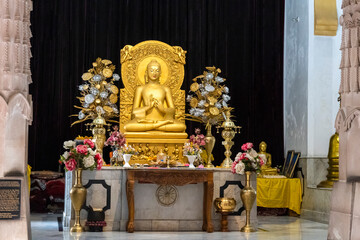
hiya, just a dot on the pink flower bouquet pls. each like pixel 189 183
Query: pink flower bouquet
pixel 116 139
pixel 194 144
pixel 249 160
pixel 81 156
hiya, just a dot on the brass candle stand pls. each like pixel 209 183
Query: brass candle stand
pixel 228 133
pixel 98 131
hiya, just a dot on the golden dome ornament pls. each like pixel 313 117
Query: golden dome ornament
pixel 98 101
pixel 98 86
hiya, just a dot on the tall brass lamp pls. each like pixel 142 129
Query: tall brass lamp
pixel 228 133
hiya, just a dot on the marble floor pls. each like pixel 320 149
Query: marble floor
pixel 46 227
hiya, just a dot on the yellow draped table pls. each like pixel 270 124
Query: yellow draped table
pixel 279 193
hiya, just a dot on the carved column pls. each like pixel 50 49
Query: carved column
pixel 345 204
pixel 15 106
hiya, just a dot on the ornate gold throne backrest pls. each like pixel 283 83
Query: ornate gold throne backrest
pixel 134 60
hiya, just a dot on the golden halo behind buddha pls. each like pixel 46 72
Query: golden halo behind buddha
pixel 134 61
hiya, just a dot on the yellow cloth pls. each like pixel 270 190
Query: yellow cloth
pixel 325 17
pixel 279 193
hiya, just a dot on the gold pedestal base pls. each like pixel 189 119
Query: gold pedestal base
pixel 209 165
pixel 248 229
pixel 148 148
pixel 326 184
pixel 77 228
pixel 226 164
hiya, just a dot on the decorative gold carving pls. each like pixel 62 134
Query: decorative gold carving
pixel 147 153
pixel 166 195
pixel 176 152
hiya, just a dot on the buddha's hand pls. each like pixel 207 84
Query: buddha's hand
pixel 160 107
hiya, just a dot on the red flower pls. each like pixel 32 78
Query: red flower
pixel 98 156
pixel 246 146
pixel 71 164
pixel 99 164
pixel 89 142
pixel 82 149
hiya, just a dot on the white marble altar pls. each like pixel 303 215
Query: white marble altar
pixel 184 215
pixel 15 107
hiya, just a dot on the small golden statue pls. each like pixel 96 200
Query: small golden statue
pixel 153 107
pixel 266 169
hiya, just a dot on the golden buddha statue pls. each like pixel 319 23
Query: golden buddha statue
pixel 153 108
pixel 152 103
pixel 266 169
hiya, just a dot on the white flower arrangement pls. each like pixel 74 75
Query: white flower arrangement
pixel 208 98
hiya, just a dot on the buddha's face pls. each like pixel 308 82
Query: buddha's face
pixel 262 147
pixel 153 71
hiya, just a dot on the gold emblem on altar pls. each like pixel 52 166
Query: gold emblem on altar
pixel 152 105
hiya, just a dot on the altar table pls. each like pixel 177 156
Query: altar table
pixel 171 177
pixel 186 213
pixel 279 193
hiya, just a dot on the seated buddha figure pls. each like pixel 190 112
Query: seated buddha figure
pixel 153 107
pixel 266 169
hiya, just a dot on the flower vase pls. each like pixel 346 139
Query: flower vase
pixel 127 160
pixel 78 197
pixel 191 159
pixel 209 146
pixel 248 196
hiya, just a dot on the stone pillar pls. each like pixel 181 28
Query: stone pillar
pixel 15 107
pixel 345 198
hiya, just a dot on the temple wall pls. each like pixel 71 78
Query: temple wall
pixel 311 81
pixel 15 106
pixel 295 75
pixel 311 84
